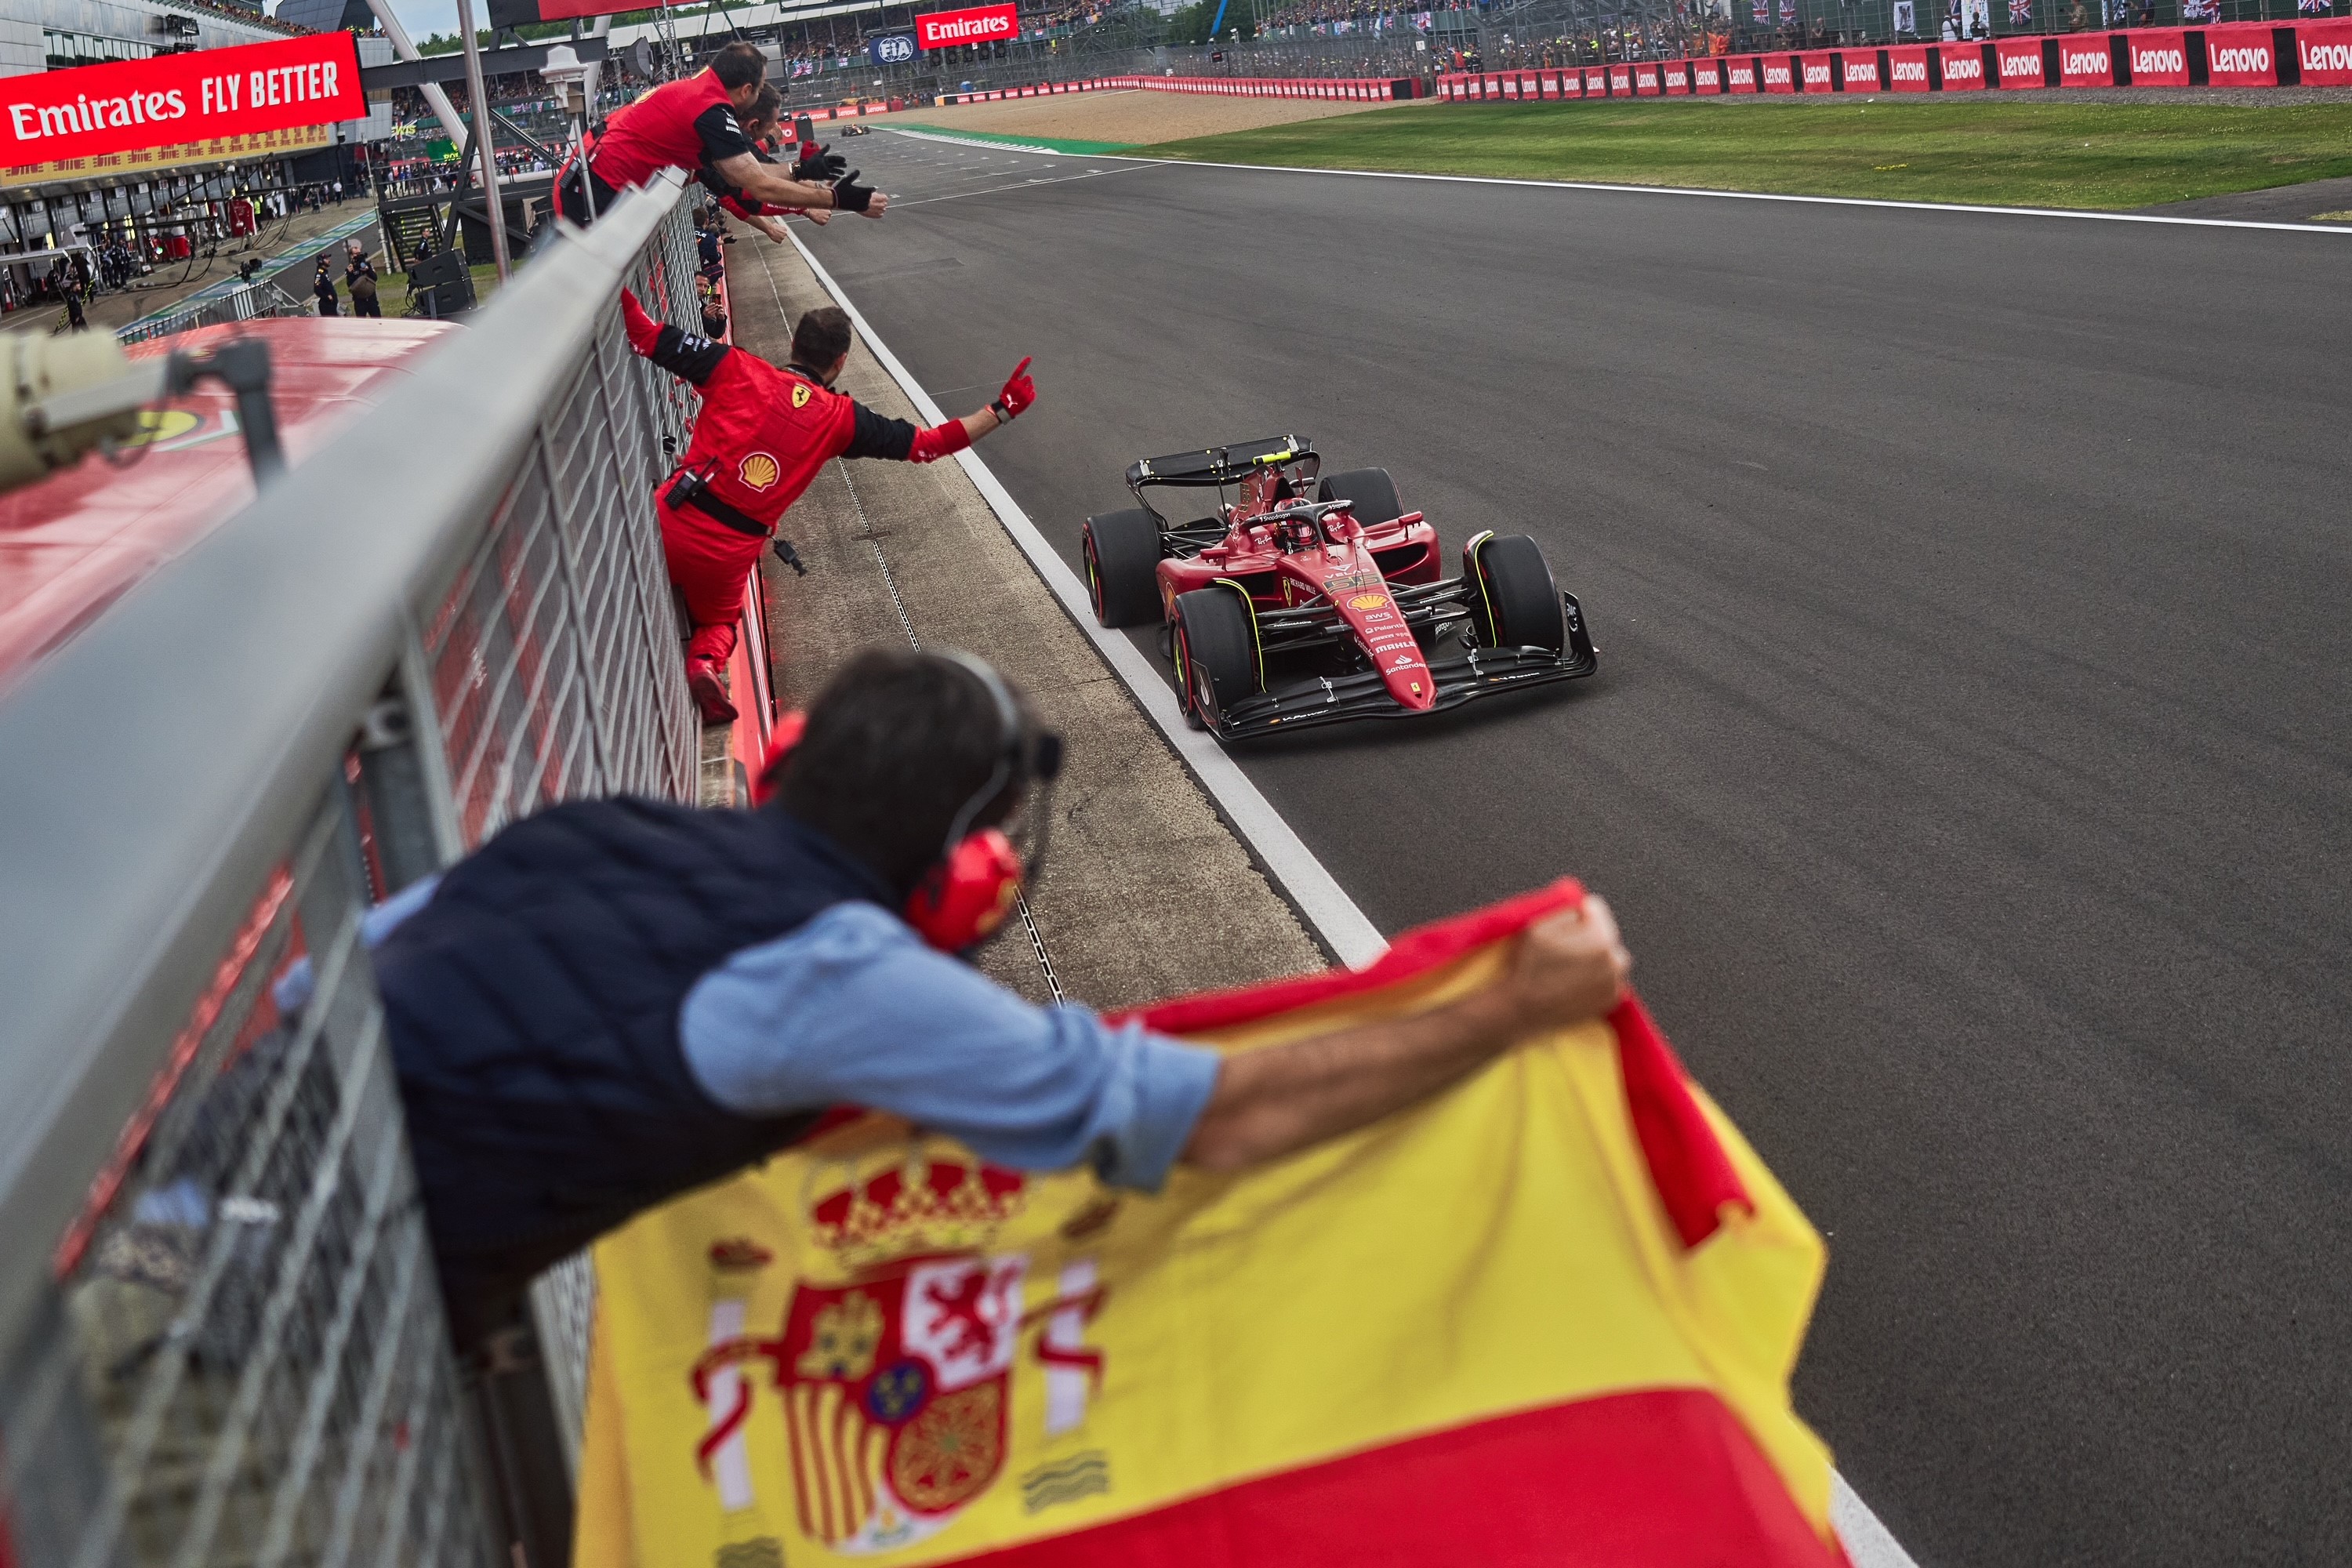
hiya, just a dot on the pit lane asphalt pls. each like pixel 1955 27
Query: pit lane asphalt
pixel 1968 761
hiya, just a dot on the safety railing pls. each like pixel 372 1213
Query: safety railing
pixel 221 1338
pixel 258 298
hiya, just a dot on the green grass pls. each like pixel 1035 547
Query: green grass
pixel 2047 152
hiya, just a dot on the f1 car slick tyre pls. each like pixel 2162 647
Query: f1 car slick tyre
pixel 1514 602
pixel 1370 493
pixel 1216 652
pixel 1122 553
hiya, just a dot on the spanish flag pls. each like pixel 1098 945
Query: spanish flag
pixel 1547 1318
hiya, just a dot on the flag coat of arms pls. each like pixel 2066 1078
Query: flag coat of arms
pixel 1546 1317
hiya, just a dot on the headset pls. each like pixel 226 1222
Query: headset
pixel 972 887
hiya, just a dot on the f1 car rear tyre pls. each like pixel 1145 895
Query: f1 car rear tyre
pixel 1514 601
pixel 1216 652
pixel 1122 553
pixel 1371 493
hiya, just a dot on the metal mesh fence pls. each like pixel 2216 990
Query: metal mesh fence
pixel 240 1355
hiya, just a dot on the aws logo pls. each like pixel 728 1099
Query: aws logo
pixel 758 470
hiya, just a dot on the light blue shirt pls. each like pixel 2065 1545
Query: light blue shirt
pixel 853 1009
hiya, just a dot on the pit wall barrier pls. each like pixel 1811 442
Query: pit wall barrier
pixel 221 1338
pixel 1356 89
pixel 2238 54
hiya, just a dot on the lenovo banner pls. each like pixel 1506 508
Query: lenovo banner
pixel 1821 72
pixel 2086 61
pixel 1781 73
pixel 91 110
pixel 1861 72
pixel 1906 69
pixel 2325 50
pixel 2241 57
pixel 1706 76
pixel 2159 58
pixel 1740 75
pixel 2021 62
pixel 981 25
pixel 1963 66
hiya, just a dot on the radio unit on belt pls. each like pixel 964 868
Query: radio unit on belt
pixel 689 488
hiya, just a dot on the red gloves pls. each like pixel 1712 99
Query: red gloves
pixel 939 441
pixel 644 331
pixel 1019 393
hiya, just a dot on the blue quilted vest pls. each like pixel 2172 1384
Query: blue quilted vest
pixel 533 1011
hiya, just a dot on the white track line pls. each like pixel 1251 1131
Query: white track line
pixel 1685 190
pixel 1315 893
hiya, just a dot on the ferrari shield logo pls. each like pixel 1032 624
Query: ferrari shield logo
pixel 801 395
pixel 758 470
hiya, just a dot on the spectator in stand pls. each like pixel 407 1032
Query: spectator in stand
pixel 359 278
pixel 707 238
pixel 323 287
pixel 761 437
pixel 684 125
pixel 562 1073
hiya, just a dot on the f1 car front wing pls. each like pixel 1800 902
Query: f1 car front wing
pixel 1475 673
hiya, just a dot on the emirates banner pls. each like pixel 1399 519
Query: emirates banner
pixel 1549 1317
pixel 172 100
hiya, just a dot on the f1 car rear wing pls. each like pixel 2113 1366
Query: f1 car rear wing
pixel 1217 466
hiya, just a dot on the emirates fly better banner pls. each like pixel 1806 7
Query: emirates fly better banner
pixel 175 100
pixel 980 25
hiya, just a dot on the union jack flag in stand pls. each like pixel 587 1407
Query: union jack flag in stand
pixel 2316 7
pixel 2020 13
pixel 1788 12
pixel 1763 13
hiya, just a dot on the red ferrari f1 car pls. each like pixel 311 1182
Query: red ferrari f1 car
pixel 1281 612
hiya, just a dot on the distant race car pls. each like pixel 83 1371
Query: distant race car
pixel 1280 612
pixel 854 129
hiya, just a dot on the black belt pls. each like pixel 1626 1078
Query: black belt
pixel 688 489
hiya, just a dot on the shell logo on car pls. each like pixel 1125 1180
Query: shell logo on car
pixel 1368 602
pixel 758 470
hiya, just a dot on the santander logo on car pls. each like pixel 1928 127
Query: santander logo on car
pixel 980 25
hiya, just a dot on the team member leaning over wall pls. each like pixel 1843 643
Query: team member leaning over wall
pixel 614 1002
pixel 761 437
pixel 686 124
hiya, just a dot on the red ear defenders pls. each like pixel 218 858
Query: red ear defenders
pixel 969 893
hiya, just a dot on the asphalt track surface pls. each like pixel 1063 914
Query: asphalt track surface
pixel 1968 762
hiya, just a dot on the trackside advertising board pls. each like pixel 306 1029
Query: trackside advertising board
pixel 2326 51
pixel 979 25
pixel 174 99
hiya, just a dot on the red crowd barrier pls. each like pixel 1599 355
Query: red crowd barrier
pixel 2235 54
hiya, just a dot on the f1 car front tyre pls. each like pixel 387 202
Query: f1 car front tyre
pixel 1369 492
pixel 1216 652
pixel 1513 601
pixel 1122 551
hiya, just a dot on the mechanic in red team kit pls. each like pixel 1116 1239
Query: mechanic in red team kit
pixel 686 124
pixel 761 438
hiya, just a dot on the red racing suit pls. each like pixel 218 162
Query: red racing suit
pixel 677 125
pixel 761 438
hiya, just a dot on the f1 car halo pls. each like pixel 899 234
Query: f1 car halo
pixel 1280 612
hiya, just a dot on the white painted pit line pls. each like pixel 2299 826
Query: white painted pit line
pixel 1310 887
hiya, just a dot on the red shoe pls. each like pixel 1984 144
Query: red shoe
pixel 710 694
